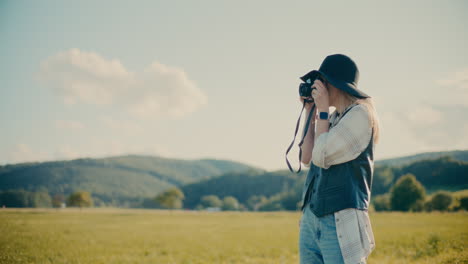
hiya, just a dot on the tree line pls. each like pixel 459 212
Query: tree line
pixel 173 199
pixel 393 188
pixel 432 173
pixel 22 198
pixel 408 194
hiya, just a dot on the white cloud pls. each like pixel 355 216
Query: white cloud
pixel 397 138
pixel 65 152
pixel 440 124
pixel 424 115
pixel 164 90
pixel 80 76
pixel 438 127
pixel 86 77
pixel 454 89
pixel 22 152
pixel 458 79
pixel 422 128
pixel 116 148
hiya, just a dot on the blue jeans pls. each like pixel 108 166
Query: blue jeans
pixel 318 242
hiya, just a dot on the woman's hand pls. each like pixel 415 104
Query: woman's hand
pixel 308 106
pixel 320 95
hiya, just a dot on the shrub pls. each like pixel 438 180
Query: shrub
pixel 407 194
pixel 230 203
pixel 464 203
pixel 210 201
pixel 170 199
pixel 441 201
pixel 80 199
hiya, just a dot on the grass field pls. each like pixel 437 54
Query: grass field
pixel 158 236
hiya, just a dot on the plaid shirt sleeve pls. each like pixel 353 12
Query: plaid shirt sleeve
pixel 355 236
pixel 345 140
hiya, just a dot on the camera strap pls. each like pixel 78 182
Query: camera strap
pixel 304 133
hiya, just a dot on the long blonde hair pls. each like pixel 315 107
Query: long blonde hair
pixel 369 103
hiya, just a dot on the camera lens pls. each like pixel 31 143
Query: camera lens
pixel 305 89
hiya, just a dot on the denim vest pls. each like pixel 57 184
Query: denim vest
pixel 341 186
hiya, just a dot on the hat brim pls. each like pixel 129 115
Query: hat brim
pixel 344 86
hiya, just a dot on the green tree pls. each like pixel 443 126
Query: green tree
pixel 230 203
pixel 170 199
pixel 464 203
pixel 407 194
pixel 254 202
pixel 271 205
pixel 15 198
pixel 40 199
pixel 210 201
pixel 441 201
pixel 57 200
pixel 242 207
pixel 80 199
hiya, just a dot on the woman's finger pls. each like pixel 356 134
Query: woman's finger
pixel 315 87
pixel 319 85
pixel 301 99
pixel 316 91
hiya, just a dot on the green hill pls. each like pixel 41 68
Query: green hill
pixel 126 181
pixel 283 188
pixel 119 181
pixel 461 155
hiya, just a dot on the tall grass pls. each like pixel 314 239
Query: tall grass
pixel 159 236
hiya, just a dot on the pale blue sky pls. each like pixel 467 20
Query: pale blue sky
pixel 240 60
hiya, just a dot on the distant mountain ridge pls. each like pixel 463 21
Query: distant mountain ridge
pixel 461 155
pixel 114 180
pixel 126 180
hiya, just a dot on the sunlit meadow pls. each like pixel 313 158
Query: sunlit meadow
pixel 162 236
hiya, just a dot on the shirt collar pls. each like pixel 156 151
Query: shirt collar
pixel 349 106
pixel 337 116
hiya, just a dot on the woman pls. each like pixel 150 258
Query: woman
pixel 338 149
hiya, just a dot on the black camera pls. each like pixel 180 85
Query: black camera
pixel 305 88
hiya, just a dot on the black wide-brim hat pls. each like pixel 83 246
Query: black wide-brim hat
pixel 341 71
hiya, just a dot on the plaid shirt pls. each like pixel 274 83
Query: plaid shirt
pixel 355 235
pixel 345 141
